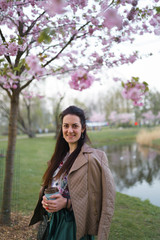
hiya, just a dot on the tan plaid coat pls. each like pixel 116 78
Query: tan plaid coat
pixel 92 192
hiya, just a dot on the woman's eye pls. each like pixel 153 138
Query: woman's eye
pixel 75 126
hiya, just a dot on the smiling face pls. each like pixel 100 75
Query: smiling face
pixel 72 130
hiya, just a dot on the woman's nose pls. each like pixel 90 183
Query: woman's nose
pixel 70 129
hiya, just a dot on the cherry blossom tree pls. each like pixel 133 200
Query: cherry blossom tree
pixel 149 117
pixel 54 37
pixel 121 118
pixel 97 117
pixel 113 117
pixel 135 90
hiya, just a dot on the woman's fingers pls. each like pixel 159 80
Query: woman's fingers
pixel 45 202
pixel 57 203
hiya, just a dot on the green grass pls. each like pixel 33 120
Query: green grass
pixel 33 155
pixel 133 218
pixel 111 136
pixel 3 137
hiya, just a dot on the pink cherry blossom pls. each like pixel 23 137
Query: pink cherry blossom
pixel 125 117
pixel 132 58
pixel 35 68
pixel 81 80
pixel 30 94
pixel 97 117
pixel 14 86
pixel 104 5
pixel 116 79
pixel 27 95
pixel 12 49
pixel 91 30
pixel 80 3
pixel 131 15
pixel 32 61
pixel 134 94
pixel 157 31
pixel 9 81
pixel 112 19
pixel 54 7
pixel 39 96
pixel 3 49
pixel 135 91
pixel 153 22
pixel 113 116
pixel 149 115
pixel 6 85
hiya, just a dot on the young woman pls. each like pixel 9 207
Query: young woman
pixel 84 205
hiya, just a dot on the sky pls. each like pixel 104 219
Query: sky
pixel 147 69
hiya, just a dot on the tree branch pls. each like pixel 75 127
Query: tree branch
pixel 70 40
pixel 4 40
pixel 32 24
pixel 9 94
pixel 19 55
pixel 49 48
pixel 12 21
pixel 27 84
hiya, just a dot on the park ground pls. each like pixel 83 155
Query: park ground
pixel 133 219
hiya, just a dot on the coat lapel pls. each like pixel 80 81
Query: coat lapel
pixel 82 159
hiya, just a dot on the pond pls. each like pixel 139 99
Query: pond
pixel 136 170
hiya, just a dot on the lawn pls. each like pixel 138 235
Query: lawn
pixel 133 218
pixel 109 136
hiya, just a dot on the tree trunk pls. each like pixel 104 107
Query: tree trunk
pixel 9 166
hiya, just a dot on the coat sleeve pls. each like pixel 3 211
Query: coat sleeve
pixel 108 199
pixel 39 210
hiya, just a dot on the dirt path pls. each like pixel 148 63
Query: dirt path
pixel 18 231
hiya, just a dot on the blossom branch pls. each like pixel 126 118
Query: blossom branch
pixel 8 92
pixel 65 46
pixel 32 24
pixel 52 46
pixel 27 84
pixel 7 57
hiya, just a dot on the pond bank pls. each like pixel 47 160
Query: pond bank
pixel 149 138
pixel 135 219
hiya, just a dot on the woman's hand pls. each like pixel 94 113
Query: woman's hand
pixel 54 205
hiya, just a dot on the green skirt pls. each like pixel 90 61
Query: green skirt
pixel 63 227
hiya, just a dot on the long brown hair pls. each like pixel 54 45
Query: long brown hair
pixel 62 147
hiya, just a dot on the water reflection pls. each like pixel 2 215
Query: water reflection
pixel 136 170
